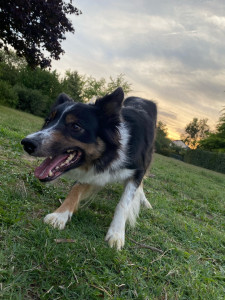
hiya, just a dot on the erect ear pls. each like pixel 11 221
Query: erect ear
pixel 62 98
pixel 111 104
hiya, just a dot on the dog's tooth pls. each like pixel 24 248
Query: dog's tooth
pixel 50 173
pixel 69 158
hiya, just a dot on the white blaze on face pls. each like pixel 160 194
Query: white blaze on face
pixel 44 136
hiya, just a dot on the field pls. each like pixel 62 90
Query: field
pixel 38 262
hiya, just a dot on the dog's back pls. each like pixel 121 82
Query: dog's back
pixel 140 117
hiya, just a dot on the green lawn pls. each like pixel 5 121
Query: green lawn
pixel 187 224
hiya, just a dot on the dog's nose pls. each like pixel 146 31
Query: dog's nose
pixel 29 145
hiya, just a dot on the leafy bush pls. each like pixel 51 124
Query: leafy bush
pixel 209 160
pixel 46 82
pixel 32 101
pixel 8 96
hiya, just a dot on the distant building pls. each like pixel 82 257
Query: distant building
pixel 180 144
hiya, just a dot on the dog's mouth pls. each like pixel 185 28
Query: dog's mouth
pixel 53 167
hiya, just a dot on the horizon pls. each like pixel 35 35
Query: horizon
pixel 171 52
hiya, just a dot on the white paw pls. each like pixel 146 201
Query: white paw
pixel 115 238
pixel 58 220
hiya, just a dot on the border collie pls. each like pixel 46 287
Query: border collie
pixel 109 141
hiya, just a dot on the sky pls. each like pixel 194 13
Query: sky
pixel 171 51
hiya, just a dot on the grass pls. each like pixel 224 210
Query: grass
pixel 187 224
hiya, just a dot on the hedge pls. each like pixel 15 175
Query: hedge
pixel 210 160
pixel 8 96
pixel 31 101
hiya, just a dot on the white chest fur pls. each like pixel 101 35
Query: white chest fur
pixel 115 171
pixel 100 179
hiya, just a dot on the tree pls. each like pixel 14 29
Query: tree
pixel 33 27
pixel 221 124
pixel 215 141
pixel 72 84
pixel 118 81
pixel 93 88
pixel 35 90
pixel 195 131
pixel 99 88
pixel 47 82
pixel 162 142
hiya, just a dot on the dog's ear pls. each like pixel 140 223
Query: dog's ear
pixel 111 104
pixel 109 116
pixel 62 98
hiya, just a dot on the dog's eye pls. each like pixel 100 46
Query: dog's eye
pixel 76 127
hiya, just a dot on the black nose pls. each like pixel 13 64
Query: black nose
pixel 29 145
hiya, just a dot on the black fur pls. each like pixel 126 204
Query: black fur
pixel 103 120
pixel 111 140
pixel 140 117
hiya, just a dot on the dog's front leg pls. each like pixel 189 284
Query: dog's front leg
pixel 116 233
pixel 61 215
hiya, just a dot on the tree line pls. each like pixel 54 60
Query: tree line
pixel 197 135
pixel 206 147
pixel 34 90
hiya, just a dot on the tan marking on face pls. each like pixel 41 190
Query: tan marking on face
pixel 50 118
pixel 70 118
pixel 92 151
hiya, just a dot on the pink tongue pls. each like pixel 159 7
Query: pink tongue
pixel 47 165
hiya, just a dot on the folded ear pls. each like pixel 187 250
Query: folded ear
pixel 111 104
pixel 62 98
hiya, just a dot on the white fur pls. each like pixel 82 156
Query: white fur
pixel 122 151
pixel 58 220
pixel 129 204
pixel 45 134
pixel 143 199
pixel 114 173
pixel 99 179
pixel 134 208
pixel 139 198
pixel 127 209
pixel 116 233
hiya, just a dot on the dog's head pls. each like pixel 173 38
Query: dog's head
pixel 76 135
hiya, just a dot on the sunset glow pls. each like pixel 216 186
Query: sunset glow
pixel 170 51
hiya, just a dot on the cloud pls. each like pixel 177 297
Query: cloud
pixel 168 114
pixel 171 51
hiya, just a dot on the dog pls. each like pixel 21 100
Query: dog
pixel 109 141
